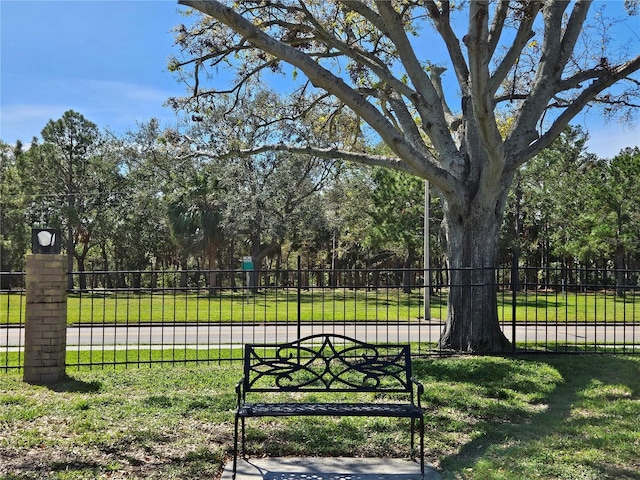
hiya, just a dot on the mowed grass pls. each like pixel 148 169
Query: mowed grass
pixel 282 305
pixel 339 305
pixel 546 417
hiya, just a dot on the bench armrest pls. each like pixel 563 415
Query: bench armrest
pixel 239 392
pixel 420 390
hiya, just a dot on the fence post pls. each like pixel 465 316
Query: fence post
pixel 299 297
pixel 515 285
pixel 45 319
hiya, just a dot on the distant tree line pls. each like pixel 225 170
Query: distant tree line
pixel 131 202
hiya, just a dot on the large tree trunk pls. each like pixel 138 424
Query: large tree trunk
pixel 472 234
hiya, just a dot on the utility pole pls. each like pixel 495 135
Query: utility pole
pixel 427 260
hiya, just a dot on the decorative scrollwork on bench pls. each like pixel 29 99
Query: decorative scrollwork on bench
pixel 299 366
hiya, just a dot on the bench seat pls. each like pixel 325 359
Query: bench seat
pixel 399 410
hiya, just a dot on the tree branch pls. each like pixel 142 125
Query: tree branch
pixel 325 153
pixel 324 79
pixel 427 101
pixel 500 16
pixel 443 25
pixel 524 34
pixel 547 76
pixel 590 93
pixel 482 97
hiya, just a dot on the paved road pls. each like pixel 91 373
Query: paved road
pixel 225 335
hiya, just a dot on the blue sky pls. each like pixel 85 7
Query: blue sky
pixel 107 59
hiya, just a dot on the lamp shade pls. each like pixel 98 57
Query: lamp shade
pixel 45 240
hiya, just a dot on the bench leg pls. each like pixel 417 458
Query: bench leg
pixel 413 432
pixel 421 433
pixel 235 448
pixel 244 452
pixel 422 446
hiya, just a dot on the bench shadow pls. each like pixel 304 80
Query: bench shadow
pixel 560 403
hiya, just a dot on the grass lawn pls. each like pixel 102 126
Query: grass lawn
pixel 548 417
pixel 337 305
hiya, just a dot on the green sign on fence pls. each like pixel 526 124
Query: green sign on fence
pixel 247 263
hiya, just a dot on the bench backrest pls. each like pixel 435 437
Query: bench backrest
pixel 327 362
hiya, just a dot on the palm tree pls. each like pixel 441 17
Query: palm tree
pixel 195 217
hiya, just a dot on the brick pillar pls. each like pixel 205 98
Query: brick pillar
pixel 45 319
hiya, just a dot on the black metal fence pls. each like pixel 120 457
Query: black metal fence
pixel 12 318
pixel 149 317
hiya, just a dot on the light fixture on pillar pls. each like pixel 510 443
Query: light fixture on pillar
pixel 45 240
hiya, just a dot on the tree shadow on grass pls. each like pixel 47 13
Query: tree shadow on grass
pixel 568 420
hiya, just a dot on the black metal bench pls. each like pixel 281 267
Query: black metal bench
pixel 331 364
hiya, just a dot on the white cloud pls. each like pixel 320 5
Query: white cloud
pixel 125 92
pixel 114 104
pixel 606 140
pixel 24 121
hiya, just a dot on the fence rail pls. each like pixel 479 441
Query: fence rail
pixel 146 317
